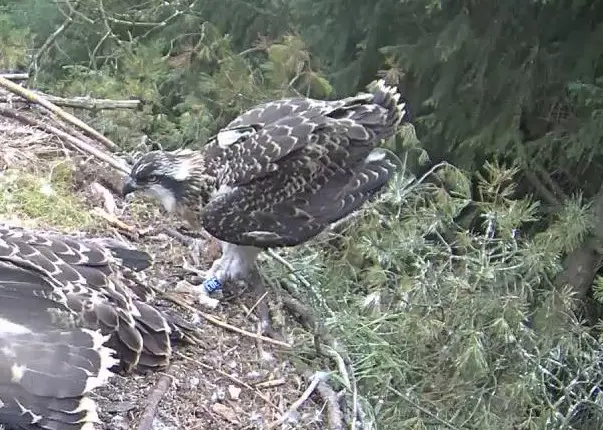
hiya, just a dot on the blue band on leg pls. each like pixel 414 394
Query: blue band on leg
pixel 212 284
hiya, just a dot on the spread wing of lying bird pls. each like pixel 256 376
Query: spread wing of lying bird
pixel 278 174
pixel 72 311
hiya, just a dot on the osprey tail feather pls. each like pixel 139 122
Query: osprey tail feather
pixel 388 98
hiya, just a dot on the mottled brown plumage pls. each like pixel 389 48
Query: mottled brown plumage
pixel 280 173
pixel 66 304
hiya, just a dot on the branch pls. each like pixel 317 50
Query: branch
pixel 542 189
pixel 74 142
pixel 50 40
pixel 85 102
pixel 15 76
pixel 317 379
pixel 216 321
pixel 33 97
pixel 148 416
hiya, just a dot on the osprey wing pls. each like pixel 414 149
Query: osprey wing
pixel 282 195
pixel 45 378
pixel 49 280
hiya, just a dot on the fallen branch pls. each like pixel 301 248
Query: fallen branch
pixel 72 141
pixel 317 378
pixel 34 98
pixel 15 76
pixel 148 416
pixel 85 102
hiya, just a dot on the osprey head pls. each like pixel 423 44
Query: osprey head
pixel 167 176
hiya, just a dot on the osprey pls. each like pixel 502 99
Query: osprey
pixel 71 313
pixel 278 174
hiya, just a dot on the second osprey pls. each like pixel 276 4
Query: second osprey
pixel 278 174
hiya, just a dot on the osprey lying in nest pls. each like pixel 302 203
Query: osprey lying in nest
pixel 278 174
pixel 66 306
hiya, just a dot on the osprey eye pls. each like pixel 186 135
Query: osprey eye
pixel 152 178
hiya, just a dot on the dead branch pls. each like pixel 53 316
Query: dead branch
pixel 33 97
pixel 316 379
pixel 146 420
pixel 70 140
pixel 15 76
pixel 84 102
pixel 113 220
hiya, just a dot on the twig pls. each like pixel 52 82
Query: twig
pixel 74 142
pixel 33 97
pixel 318 377
pixel 86 102
pixel 230 377
pixel 112 219
pixel 146 420
pixel 217 322
pixel 15 76
pixel 271 383
pixel 290 268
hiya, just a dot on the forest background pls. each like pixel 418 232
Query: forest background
pixel 469 295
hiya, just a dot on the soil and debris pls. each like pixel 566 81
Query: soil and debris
pixel 227 380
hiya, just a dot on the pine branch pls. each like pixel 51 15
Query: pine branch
pixel 33 97
pixel 50 40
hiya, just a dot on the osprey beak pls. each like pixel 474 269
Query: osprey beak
pixel 129 187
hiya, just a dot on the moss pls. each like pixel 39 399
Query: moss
pixel 45 199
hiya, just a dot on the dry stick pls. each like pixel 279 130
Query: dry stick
pixel 318 377
pixel 85 102
pixel 230 377
pixel 77 143
pixel 34 98
pixel 146 420
pixel 217 322
pixel 15 76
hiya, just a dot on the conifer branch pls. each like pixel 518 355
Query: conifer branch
pixel 53 36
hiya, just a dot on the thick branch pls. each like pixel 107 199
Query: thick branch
pixel 33 97
pixel 86 102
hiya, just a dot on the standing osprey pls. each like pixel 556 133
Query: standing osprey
pixel 66 306
pixel 278 174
